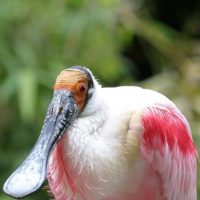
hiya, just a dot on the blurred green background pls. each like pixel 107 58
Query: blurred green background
pixel 154 44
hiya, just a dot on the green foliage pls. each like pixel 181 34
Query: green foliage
pixel 40 38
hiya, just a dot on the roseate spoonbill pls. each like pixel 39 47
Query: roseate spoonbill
pixel 98 143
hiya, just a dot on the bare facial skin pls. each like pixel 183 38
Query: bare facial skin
pixel 74 81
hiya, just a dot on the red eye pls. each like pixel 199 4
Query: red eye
pixel 82 87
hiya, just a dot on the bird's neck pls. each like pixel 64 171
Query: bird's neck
pixel 85 130
pixel 93 153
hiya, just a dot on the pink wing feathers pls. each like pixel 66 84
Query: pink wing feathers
pixel 167 145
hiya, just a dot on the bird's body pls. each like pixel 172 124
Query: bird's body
pixel 123 143
pixel 103 157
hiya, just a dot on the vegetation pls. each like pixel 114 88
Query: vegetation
pixel 154 44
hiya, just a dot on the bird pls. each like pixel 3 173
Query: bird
pixel 109 143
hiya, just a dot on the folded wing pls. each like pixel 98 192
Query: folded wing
pixel 166 143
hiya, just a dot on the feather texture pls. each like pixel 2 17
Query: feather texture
pixel 128 143
pixel 167 145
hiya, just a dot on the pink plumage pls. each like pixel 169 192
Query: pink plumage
pixel 124 143
pixel 136 145
pixel 59 180
pixel 167 144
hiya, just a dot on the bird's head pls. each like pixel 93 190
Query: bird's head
pixel 78 82
pixel 73 91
